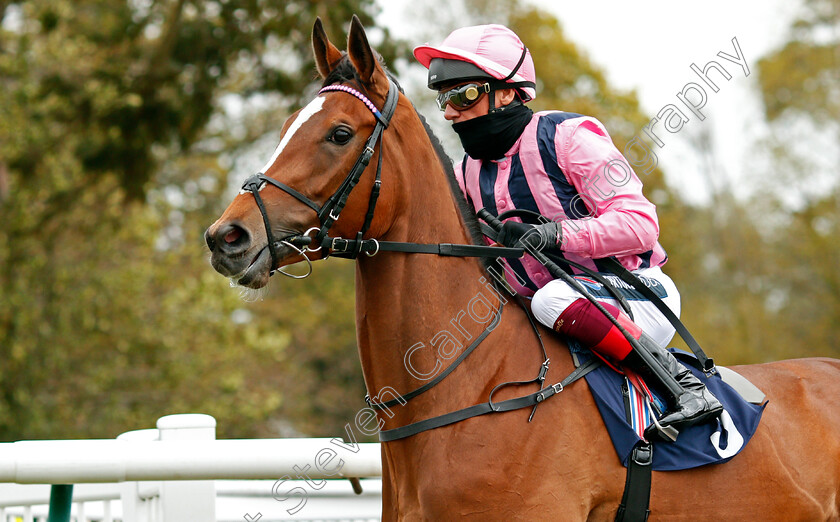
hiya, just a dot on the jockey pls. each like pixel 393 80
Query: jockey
pixel 564 166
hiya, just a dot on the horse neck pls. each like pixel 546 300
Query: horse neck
pixel 406 299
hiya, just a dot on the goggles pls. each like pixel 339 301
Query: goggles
pixel 462 97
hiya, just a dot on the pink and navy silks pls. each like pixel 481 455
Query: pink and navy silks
pixel 565 167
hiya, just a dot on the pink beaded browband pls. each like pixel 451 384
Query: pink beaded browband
pixel 357 94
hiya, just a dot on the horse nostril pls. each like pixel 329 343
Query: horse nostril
pixel 233 235
pixel 231 239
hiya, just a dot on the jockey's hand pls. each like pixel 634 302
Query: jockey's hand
pixel 538 237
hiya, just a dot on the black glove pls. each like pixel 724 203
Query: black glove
pixel 535 236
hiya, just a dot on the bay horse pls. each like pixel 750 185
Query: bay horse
pixel 559 466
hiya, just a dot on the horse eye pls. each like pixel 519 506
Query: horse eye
pixel 341 135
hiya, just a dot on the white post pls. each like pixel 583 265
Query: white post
pixel 193 500
pixel 106 512
pixel 134 509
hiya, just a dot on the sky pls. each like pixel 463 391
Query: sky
pixel 650 47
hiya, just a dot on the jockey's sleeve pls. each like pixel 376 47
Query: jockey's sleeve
pixel 622 221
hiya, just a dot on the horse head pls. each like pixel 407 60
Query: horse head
pixel 301 191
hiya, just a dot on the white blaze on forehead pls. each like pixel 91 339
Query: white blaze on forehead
pixel 304 114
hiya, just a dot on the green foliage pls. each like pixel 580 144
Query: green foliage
pixel 114 151
pixel 804 75
pixel 140 80
pixel 799 84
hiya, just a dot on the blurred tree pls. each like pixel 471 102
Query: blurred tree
pixel 760 284
pixel 800 88
pixel 114 156
pixel 804 75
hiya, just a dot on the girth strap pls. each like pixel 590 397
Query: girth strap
pixel 636 498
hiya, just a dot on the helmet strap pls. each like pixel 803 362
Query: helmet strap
pixel 518 65
pixel 491 109
pixel 511 85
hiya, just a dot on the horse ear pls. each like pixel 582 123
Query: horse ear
pixel 362 56
pixel 326 54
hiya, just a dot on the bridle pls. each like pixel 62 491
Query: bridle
pixel 330 211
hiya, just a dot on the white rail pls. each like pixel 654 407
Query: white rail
pixel 168 473
pixel 81 461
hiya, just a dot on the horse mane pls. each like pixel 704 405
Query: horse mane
pixel 467 212
pixel 344 71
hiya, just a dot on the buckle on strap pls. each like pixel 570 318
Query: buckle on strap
pixel 642 454
pixel 340 245
pixel 543 370
pixel 555 388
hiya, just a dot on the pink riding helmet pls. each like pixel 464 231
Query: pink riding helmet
pixel 494 49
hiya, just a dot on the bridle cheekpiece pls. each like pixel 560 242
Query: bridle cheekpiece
pixel 329 212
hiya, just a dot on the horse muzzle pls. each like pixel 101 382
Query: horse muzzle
pixel 236 255
pixel 233 254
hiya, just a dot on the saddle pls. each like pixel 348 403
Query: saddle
pixel 627 411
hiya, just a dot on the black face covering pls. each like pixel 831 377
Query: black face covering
pixel 488 137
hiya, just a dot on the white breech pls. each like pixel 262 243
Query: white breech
pixel 551 300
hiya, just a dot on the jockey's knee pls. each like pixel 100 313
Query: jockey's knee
pixel 551 300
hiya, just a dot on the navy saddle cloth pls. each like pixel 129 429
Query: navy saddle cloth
pixel 714 442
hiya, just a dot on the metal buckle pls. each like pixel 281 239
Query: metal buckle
pixel 333 216
pixel 333 247
pixel 642 455
pixel 543 370
pixel 556 388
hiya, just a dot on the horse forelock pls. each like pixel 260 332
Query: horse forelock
pixel 344 72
